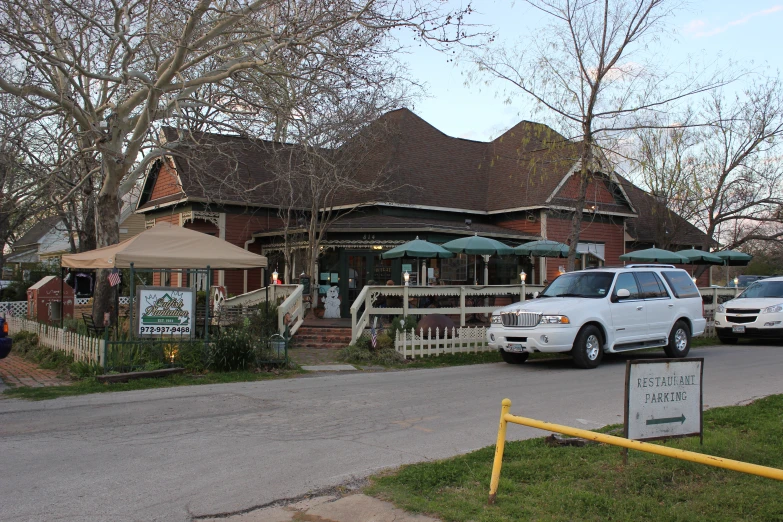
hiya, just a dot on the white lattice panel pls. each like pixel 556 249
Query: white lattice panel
pixel 13 308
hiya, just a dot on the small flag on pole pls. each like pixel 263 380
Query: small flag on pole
pixel 114 277
pixel 374 333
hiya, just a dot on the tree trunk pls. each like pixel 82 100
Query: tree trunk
pixel 107 217
pixel 576 221
pixel 88 240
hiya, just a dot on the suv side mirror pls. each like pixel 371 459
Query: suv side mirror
pixel 535 295
pixel 622 293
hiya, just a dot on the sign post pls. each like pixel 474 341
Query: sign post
pixel 663 398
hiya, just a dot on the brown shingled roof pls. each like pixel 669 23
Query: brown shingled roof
pixel 521 168
pixel 221 168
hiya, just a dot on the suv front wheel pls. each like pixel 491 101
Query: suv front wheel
pixel 587 351
pixel 679 340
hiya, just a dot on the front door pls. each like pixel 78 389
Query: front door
pixel 362 267
pixel 358 272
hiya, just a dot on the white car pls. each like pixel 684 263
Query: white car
pixel 756 313
pixel 605 310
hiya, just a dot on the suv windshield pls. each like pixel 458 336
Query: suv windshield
pixel 580 284
pixel 763 289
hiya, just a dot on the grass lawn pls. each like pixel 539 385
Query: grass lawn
pixel 86 386
pixel 539 482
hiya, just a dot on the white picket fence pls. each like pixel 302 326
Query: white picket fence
pixel 81 347
pixel 461 340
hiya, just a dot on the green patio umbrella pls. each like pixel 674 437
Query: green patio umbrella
pixel 543 248
pixel 417 248
pixel 478 246
pixel 734 257
pixel 700 257
pixel 420 249
pixel 654 255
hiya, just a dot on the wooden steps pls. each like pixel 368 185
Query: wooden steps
pixel 329 338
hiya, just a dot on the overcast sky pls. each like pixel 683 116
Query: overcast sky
pixel 741 30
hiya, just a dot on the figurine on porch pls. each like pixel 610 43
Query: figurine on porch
pixel 332 303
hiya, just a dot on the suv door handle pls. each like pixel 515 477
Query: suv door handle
pixel 639 307
pixel 671 306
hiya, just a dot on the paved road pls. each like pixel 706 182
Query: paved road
pixel 172 454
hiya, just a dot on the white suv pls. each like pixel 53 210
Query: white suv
pixel 611 310
pixel 755 313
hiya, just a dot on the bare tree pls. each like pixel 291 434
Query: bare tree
pixel 667 169
pixel 118 67
pixel 22 181
pixel 737 191
pixel 592 70
pixel 725 176
pixel 335 166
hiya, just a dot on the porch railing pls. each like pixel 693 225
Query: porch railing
pixel 461 301
pixel 293 309
pixel 292 305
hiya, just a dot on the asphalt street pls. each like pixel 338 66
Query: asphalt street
pixel 179 453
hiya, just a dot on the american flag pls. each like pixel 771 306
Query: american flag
pixel 374 333
pixel 114 277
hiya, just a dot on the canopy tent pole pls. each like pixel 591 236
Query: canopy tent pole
pixel 206 311
pixel 62 291
pixel 131 295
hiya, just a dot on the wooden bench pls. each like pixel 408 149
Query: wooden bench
pixel 92 328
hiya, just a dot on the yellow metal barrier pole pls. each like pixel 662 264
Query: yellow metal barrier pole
pixel 499 445
pixel 718 462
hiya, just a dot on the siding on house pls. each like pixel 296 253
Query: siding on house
pixel 597 191
pixel 166 184
pixel 131 226
pixel 521 224
pixel 610 233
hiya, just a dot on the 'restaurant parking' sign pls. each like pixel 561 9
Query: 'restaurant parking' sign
pixel 663 398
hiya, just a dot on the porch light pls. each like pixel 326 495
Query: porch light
pixel 407 277
pixel 736 281
pixel 274 276
pixel 561 270
pixel 377 247
pixel 694 279
pixel 523 276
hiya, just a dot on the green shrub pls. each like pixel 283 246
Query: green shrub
pixel 192 357
pixel 231 350
pixel 362 352
pixel 262 323
pixel 398 323
pixel 82 370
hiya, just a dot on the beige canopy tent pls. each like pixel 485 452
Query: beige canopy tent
pixel 167 246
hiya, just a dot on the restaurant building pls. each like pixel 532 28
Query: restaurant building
pixel 519 187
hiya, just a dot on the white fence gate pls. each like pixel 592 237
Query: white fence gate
pixel 81 347
pixel 458 340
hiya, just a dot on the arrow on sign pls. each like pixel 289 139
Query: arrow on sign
pixel 667 420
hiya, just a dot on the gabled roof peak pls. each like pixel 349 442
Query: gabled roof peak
pixel 531 130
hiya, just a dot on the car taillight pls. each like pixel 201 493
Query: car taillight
pixel 5 328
